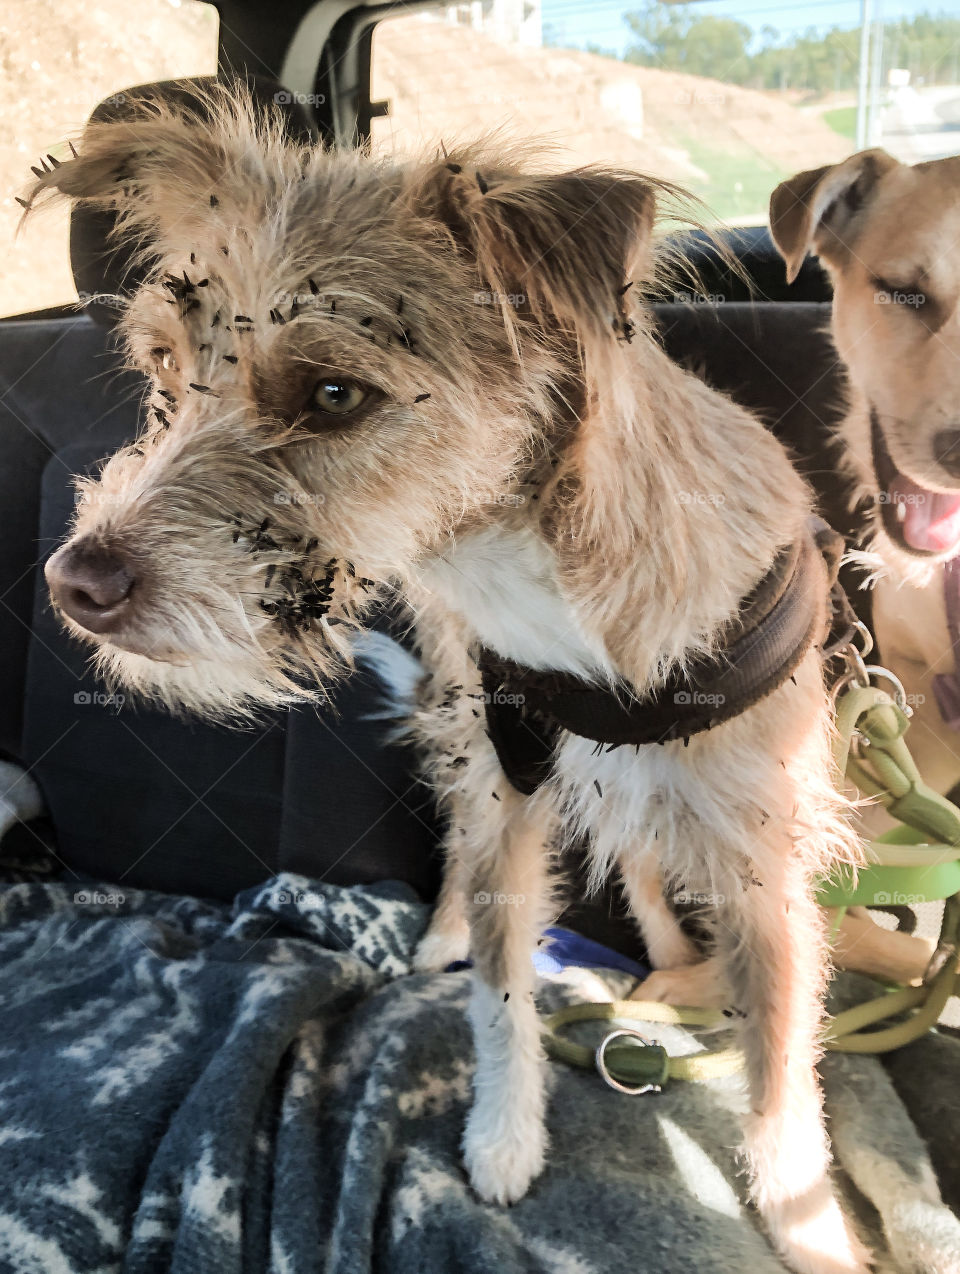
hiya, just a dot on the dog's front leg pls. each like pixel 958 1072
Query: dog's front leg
pixel 505 1137
pixel 772 941
pixel 447 939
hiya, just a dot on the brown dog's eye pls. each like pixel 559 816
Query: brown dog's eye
pixel 335 397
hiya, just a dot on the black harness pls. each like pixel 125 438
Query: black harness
pixel 777 624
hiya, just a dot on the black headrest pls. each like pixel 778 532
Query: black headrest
pixel 102 265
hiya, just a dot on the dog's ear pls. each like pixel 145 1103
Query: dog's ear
pixel 157 167
pixel 568 244
pixel 824 209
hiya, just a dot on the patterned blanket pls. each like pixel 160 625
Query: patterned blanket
pixel 204 1089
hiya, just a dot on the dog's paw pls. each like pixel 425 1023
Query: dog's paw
pixel 441 946
pixel 696 986
pixel 820 1240
pixel 502 1163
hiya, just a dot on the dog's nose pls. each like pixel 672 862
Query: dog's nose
pixel 91 584
pixel 946 450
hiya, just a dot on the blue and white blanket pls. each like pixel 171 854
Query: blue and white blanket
pixel 194 1087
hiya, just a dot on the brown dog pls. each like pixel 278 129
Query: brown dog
pixel 437 373
pixel 888 235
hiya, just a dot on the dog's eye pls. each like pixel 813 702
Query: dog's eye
pixel 909 294
pixel 336 397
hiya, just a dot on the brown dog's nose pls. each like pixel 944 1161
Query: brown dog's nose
pixel 946 450
pixel 91 584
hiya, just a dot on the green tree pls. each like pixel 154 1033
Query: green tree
pixel 815 62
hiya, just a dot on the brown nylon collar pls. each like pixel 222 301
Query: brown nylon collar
pixel 776 625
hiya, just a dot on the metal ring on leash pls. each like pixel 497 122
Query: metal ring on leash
pixel 852 677
pixel 877 671
pixel 867 635
pixel 600 1058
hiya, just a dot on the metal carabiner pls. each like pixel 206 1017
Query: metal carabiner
pixel 600 1059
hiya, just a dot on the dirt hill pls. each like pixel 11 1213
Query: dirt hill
pixel 444 81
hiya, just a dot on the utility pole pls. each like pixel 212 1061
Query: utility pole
pixel 863 85
pixel 876 78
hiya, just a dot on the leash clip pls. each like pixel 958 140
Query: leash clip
pixel 640 1041
pixel 943 953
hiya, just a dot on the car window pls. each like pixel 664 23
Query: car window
pixel 726 97
pixel 57 62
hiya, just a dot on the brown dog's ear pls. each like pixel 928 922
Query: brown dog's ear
pixel 568 243
pixel 823 209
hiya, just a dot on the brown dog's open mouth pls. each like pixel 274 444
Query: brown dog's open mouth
pixel 917 519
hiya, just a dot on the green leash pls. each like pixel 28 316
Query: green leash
pixel 919 860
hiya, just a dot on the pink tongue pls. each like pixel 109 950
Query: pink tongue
pixel 932 522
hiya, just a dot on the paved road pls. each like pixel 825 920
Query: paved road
pixel 922 123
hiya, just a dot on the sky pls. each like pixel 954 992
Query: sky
pixel 600 22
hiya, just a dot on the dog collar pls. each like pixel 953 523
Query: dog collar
pixel 775 626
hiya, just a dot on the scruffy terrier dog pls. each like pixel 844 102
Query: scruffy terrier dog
pixel 366 372
pixel 887 235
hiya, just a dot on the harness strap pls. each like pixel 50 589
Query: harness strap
pixel 775 627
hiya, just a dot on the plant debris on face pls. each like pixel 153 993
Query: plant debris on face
pixel 306 588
